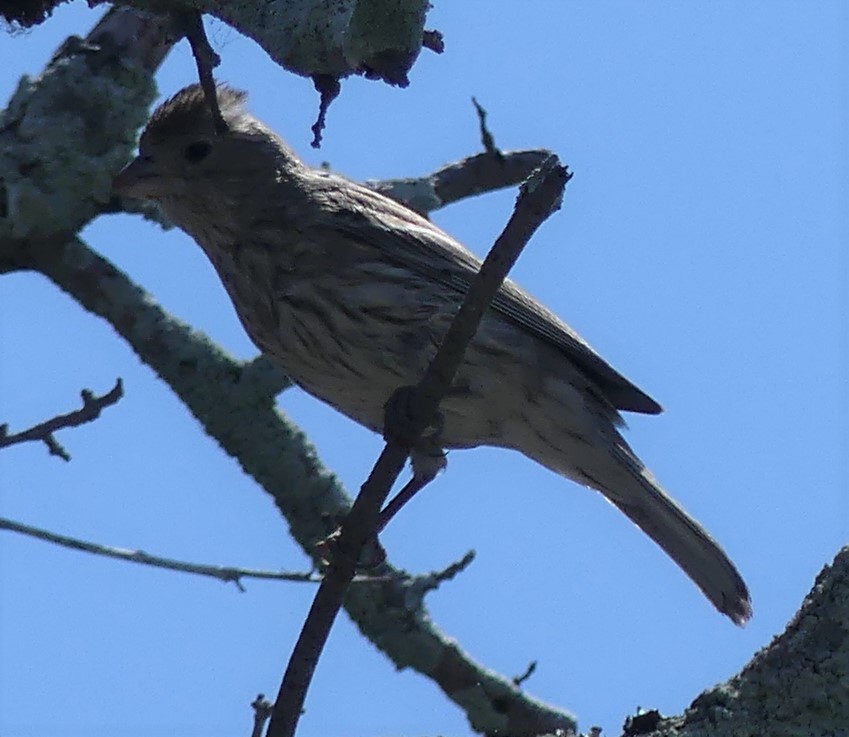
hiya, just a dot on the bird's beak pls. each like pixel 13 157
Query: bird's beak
pixel 138 179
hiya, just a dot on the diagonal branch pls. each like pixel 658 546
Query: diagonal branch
pixel 538 198
pixel 43 432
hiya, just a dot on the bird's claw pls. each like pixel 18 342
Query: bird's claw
pixel 371 556
pixel 402 414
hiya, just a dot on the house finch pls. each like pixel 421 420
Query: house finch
pixel 351 293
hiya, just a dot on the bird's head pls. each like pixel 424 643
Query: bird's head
pixel 183 160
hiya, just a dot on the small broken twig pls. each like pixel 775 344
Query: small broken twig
pixel 262 711
pixel 487 138
pixel 91 409
pixel 529 671
pixel 328 89
pixel 433 40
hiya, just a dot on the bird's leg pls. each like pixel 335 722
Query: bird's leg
pixel 426 454
pixel 427 459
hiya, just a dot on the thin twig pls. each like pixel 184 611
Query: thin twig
pixel 222 573
pixel 432 580
pixel 538 197
pixel 91 409
pixel 486 136
pixel 191 24
pixel 262 711
pixel 417 587
pixel 529 671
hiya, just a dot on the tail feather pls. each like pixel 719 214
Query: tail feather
pixel 683 539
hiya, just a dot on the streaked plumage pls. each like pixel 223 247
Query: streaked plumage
pixel 350 292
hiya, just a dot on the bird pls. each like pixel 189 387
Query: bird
pixel 350 293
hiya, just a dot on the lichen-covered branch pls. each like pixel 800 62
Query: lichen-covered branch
pixel 379 39
pixel 65 133
pixel 796 686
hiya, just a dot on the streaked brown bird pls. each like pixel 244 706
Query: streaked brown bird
pixel 350 292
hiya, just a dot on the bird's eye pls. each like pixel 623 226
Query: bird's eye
pixel 197 151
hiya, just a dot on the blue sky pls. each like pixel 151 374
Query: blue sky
pixel 700 249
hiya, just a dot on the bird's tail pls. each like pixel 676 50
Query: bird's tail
pixel 633 490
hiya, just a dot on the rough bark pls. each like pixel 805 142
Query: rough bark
pixel 797 686
pixel 380 39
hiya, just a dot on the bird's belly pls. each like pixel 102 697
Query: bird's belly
pixel 352 365
pixel 360 391
pixel 354 355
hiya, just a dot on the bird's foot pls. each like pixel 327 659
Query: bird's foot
pixel 403 419
pixel 371 556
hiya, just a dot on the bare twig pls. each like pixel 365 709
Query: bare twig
pixel 416 587
pixel 328 89
pixel 486 136
pixel 91 409
pixel 223 573
pixel 433 40
pixel 538 198
pixel 483 173
pixel 262 711
pixel 529 671
pixel 433 580
pixel 191 24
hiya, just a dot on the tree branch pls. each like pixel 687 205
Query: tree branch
pixel 468 177
pixel 487 139
pixel 43 432
pixel 262 712
pixel 795 686
pixel 190 23
pixel 227 574
pixel 379 39
pixel 86 108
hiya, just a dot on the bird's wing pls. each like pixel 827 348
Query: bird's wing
pixel 405 238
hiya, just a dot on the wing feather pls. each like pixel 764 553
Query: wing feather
pixel 410 241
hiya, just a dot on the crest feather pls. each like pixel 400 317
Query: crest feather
pixel 188 111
